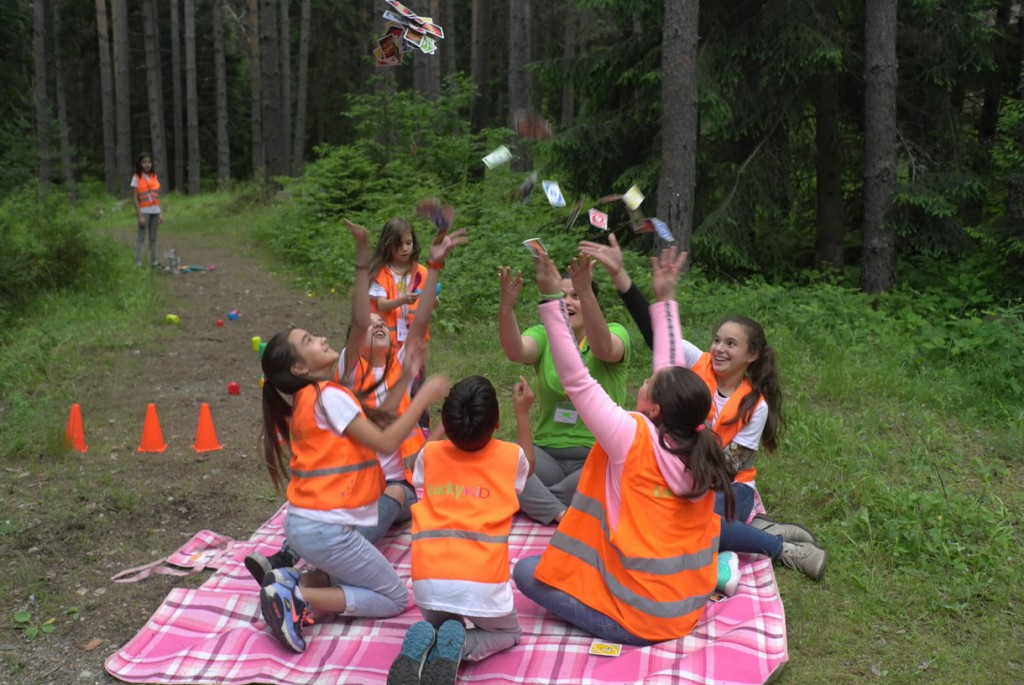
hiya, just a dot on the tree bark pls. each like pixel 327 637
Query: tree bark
pixel 179 127
pixel 299 145
pixel 106 98
pixel 220 75
pixel 259 166
pixel 270 62
pixel 66 152
pixel 448 44
pixel 192 97
pixel 481 19
pixel 569 30
pixel 831 217
pixel 286 89
pixel 878 272
pixel 122 96
pixel 45 168
pixel 678 181
pixel 155 87
pixel 518 79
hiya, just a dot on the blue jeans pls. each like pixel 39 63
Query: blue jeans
pixel 389 512
pixel 372 587
pixel 568 608
pixel 736 535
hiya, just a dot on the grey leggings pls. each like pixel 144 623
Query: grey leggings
pixel 150 223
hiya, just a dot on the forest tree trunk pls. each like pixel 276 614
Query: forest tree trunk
pixel 60 91
pixel 301 96
pixel 878 272
pixel 106 99
pixel 155 87
pixel 45 165
pixel 286 89
pixel 270 66
pixel 179 128
pixel 192 98
pixel 259 156
pixel 518 80
pixel 122 96
pixel 678 181
pixel 220 76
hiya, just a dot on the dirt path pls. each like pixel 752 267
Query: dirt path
pixel 152 503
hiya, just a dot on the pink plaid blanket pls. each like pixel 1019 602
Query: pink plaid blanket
pixel 215 634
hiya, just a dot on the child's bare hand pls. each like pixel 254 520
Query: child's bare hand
pixel 522 396
pixel 435 388
pixel 359 234
pixel 665 270
pixel 510 284
pixel 415 356
pixel 548 279
pixel 440 251
pixel 610 255
pixel 581 271
pixel 411 297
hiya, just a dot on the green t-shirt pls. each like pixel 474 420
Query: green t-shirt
pixel 560 425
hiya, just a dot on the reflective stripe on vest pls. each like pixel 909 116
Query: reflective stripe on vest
pixel 147 189
pixel 654 573
pixel 328 471
pixel 460 526
pixel 726 433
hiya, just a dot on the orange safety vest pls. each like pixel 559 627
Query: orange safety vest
pixel 364 380
pixel 726 433
pixel 147 190
pixel 329 471
pixel 387 281
pixel 654 572
pixel 461 524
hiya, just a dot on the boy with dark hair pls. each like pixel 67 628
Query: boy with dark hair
pixel 460 528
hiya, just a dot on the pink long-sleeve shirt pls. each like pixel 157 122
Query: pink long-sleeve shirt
pixel 613 427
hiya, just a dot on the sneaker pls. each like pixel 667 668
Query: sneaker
pixel 789 532
pixel 443 664
pixel 728 573
pixel 259 565
pixel 287 576
pixel 407 666
pixel 806 557
pixel 284 613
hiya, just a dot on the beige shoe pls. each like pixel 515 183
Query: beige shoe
pixel 807 557
pixel 789 532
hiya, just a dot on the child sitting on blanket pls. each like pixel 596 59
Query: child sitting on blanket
pixel 460 528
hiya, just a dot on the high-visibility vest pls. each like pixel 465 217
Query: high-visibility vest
pixel 461 524
pixel 387 281
pixel 654 572
pixel 364 380
pixel 328 471
pixel 147 190
pixel 726 433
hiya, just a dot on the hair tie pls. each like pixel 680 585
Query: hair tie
pixel 699 428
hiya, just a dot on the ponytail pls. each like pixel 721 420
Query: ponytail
pixel 685 402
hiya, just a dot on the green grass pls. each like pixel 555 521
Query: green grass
pixel 904 462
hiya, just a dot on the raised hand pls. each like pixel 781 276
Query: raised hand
pixel 522 397
pixel 665 270
pixel 549 281
pixel 609 256
pixel 435 388
pixel 359 234
pixel 581 271
pixel 510 285
pixel 439 251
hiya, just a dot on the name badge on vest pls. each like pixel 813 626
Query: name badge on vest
pixel 401 329
pixel 566 413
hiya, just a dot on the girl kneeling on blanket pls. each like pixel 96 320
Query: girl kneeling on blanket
pixel 336 479
pixel 636 557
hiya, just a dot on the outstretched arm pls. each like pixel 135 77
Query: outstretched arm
pixel 517 347
pixel 522 399
pixel 428 294
pixel 664 314
pixel 603 344
pixel 610 257
pixel 387 440
pixel 360 302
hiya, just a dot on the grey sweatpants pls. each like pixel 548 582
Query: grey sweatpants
pixel 151 222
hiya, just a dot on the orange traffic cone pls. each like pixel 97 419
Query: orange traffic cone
pixel 74 435
pixel 206 436
pixel 152 436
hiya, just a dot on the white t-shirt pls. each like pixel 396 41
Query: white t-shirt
pixel 334 413
pixel 466 597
